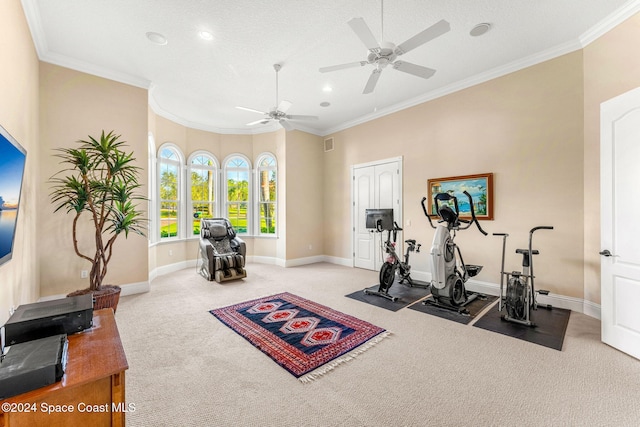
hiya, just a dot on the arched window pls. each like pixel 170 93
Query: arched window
pixel 170 195
pixel 267 176
pixel 203 168
pixel 237 171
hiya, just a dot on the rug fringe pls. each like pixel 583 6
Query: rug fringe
pixel 328 367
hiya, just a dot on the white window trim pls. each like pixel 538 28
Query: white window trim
pixel 256 205
pixel 180 163
pixel 216 190
pixel 225 189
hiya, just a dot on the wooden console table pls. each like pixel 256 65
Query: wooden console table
pixel 91 392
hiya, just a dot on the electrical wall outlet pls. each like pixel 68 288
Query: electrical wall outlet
pixel 84 274
pixel 12 310
pixel 170 252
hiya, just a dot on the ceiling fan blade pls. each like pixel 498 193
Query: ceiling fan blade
pixel 363 31
pixel 436 30
pixel 343 66
pixel 251 109
pixel 261 121
pixel 373 80
pixel 299 117
pixel 285 125
pixel 284 106
pixel 416 70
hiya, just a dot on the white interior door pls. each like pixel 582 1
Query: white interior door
pixel 620 234
pixel 364 194
pixel 376 186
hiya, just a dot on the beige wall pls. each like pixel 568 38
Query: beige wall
pixel 304 190
pixel 612 67
pixel 526 128
pixel 19 116
pixel 74 105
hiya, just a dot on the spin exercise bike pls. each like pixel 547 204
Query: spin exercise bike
pixel 520 296
pixel 449 272
pixel 382 220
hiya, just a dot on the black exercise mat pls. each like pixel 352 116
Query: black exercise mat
pixel 474 308
pixel 406 295
pixel 549 332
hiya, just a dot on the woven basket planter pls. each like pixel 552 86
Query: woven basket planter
pixel 107 297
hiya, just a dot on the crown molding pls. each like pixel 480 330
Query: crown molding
pixel 616 18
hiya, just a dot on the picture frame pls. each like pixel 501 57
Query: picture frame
pixel 479 186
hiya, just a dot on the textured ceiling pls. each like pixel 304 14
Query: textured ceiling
pixel 199 83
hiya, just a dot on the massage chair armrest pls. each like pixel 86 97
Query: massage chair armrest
pixel 239 246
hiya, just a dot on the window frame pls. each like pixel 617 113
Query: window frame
pixel 225 191
pixel 257 205
pixel 189 184
pixel 180 202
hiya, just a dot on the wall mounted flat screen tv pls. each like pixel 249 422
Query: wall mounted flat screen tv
pixel 12 162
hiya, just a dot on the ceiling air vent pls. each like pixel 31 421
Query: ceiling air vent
pixel 328 144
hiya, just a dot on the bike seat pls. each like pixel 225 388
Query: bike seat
pixel 526 251
pixel 410 241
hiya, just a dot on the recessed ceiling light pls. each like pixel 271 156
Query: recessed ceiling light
pixel 325 104
pixel 205 35
pixel 327 88
pixel 480 29
pixel 157 38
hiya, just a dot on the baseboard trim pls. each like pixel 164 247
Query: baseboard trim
pixel 592 309
pixel 296 262
pixel 135 288
pixel 263 259
pixel 346 262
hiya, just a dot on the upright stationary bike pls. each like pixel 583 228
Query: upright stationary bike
pixel 393 264
pixel 520 296
pixel 449 272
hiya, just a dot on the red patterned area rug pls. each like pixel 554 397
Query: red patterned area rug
pixel 306 338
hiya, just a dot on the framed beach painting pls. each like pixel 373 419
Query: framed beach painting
pixel 479 186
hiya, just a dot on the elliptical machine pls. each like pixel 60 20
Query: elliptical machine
pixel 449 272
pixel 520 297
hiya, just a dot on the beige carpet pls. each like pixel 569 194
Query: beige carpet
pixel 187 369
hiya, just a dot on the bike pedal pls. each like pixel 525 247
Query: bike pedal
pixel 543 292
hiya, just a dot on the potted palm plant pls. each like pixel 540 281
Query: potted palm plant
pixel 101 180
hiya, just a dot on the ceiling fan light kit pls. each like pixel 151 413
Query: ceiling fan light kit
pixel 384 53
pixel 279 112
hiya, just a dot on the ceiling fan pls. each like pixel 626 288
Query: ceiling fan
pixel 279 113
pixel 385 53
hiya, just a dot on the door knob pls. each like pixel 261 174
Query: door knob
pixel 606 253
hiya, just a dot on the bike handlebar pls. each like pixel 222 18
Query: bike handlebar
pixel 473 214
pixel 500 234
pixel 542 227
